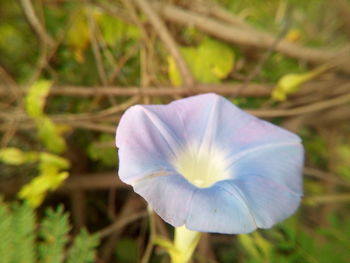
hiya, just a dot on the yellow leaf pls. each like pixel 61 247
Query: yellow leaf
pixel 247 242
pixel 55 160
pixel 264 246
pixel 209 62
pixel 35 191
pixel 15 156
pixel 293 35
pixel 50 136
pixel 36 98
pixel 12 156
pixel 63 128
pixel 78 35
pixel 173 72
pixel 290 83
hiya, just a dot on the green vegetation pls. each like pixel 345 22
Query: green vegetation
pixel 69 69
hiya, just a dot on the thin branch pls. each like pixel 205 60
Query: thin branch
pixel 251 90
pixel 35 23
pixel 321 199
pixel 96 50
pixel 121 223
pixel 97 115
pixel 326 176
pixel 343 9
pixel 170 43
pixel 245 38
pixel 83 182
pixel 215 10
pixel 302 110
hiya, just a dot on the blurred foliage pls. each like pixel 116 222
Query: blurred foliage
pixel 26 240
pixel 99 43
pixel 209 62
pixel 290 83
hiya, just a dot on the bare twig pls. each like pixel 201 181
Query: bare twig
pixel 304 109
pixel 343 8
pixel 165 36
pixel 7 79
pixel 215 10
pixel 35 23
pixel 245 38
pixel 121 223
pixel 251 90
pixel 133 205
pixel 124 59
pixel 93 126
pixel 326 176
pixel 331 198
pixel 150 244
pixel 84 182
pixel 97 115
pixel 96 50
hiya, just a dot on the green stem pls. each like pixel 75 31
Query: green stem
pixel 185 243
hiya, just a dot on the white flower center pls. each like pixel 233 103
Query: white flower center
pixel 203 167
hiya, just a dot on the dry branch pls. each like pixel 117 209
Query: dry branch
pixel 251 90
pixel 83 182
pixel 166 37
pixel 260 40
pixel 35 23
pixel 318 106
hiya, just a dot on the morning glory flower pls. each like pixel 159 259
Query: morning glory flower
pixel 203 163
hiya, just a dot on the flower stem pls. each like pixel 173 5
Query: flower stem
pixel 185 243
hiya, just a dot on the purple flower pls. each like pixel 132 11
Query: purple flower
pixel 204 163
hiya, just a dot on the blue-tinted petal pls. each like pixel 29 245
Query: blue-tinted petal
pixel 270 182
pixel 213 120
pixel 282 163
pixel 147 140
pixel 268 201
pixel 169 195
pixel 219 210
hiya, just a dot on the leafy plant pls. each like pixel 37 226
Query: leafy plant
pixel 22 242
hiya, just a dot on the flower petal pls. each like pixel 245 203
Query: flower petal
pixel 268 201
pixel 219 210
pixel 270 181
pixel 169 195
pixel 146 141
pixel 281 163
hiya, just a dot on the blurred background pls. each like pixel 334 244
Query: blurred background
pixel 69 69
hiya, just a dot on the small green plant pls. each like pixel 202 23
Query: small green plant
pixel 25 240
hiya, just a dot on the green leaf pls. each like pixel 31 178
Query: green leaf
pixel 36 98
pixel 23 229
pixel 6 240
pixel 78 35
pixel 49 179
pixel 105 154
pixel 216 57
pixel 54 160
pixel 15 156
pixel 35 191
pixel 290 83
pixel 247 242
pixel 83 249
pixel 209 62
pixel 114 29
pixel 54 233
pixel 49 134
